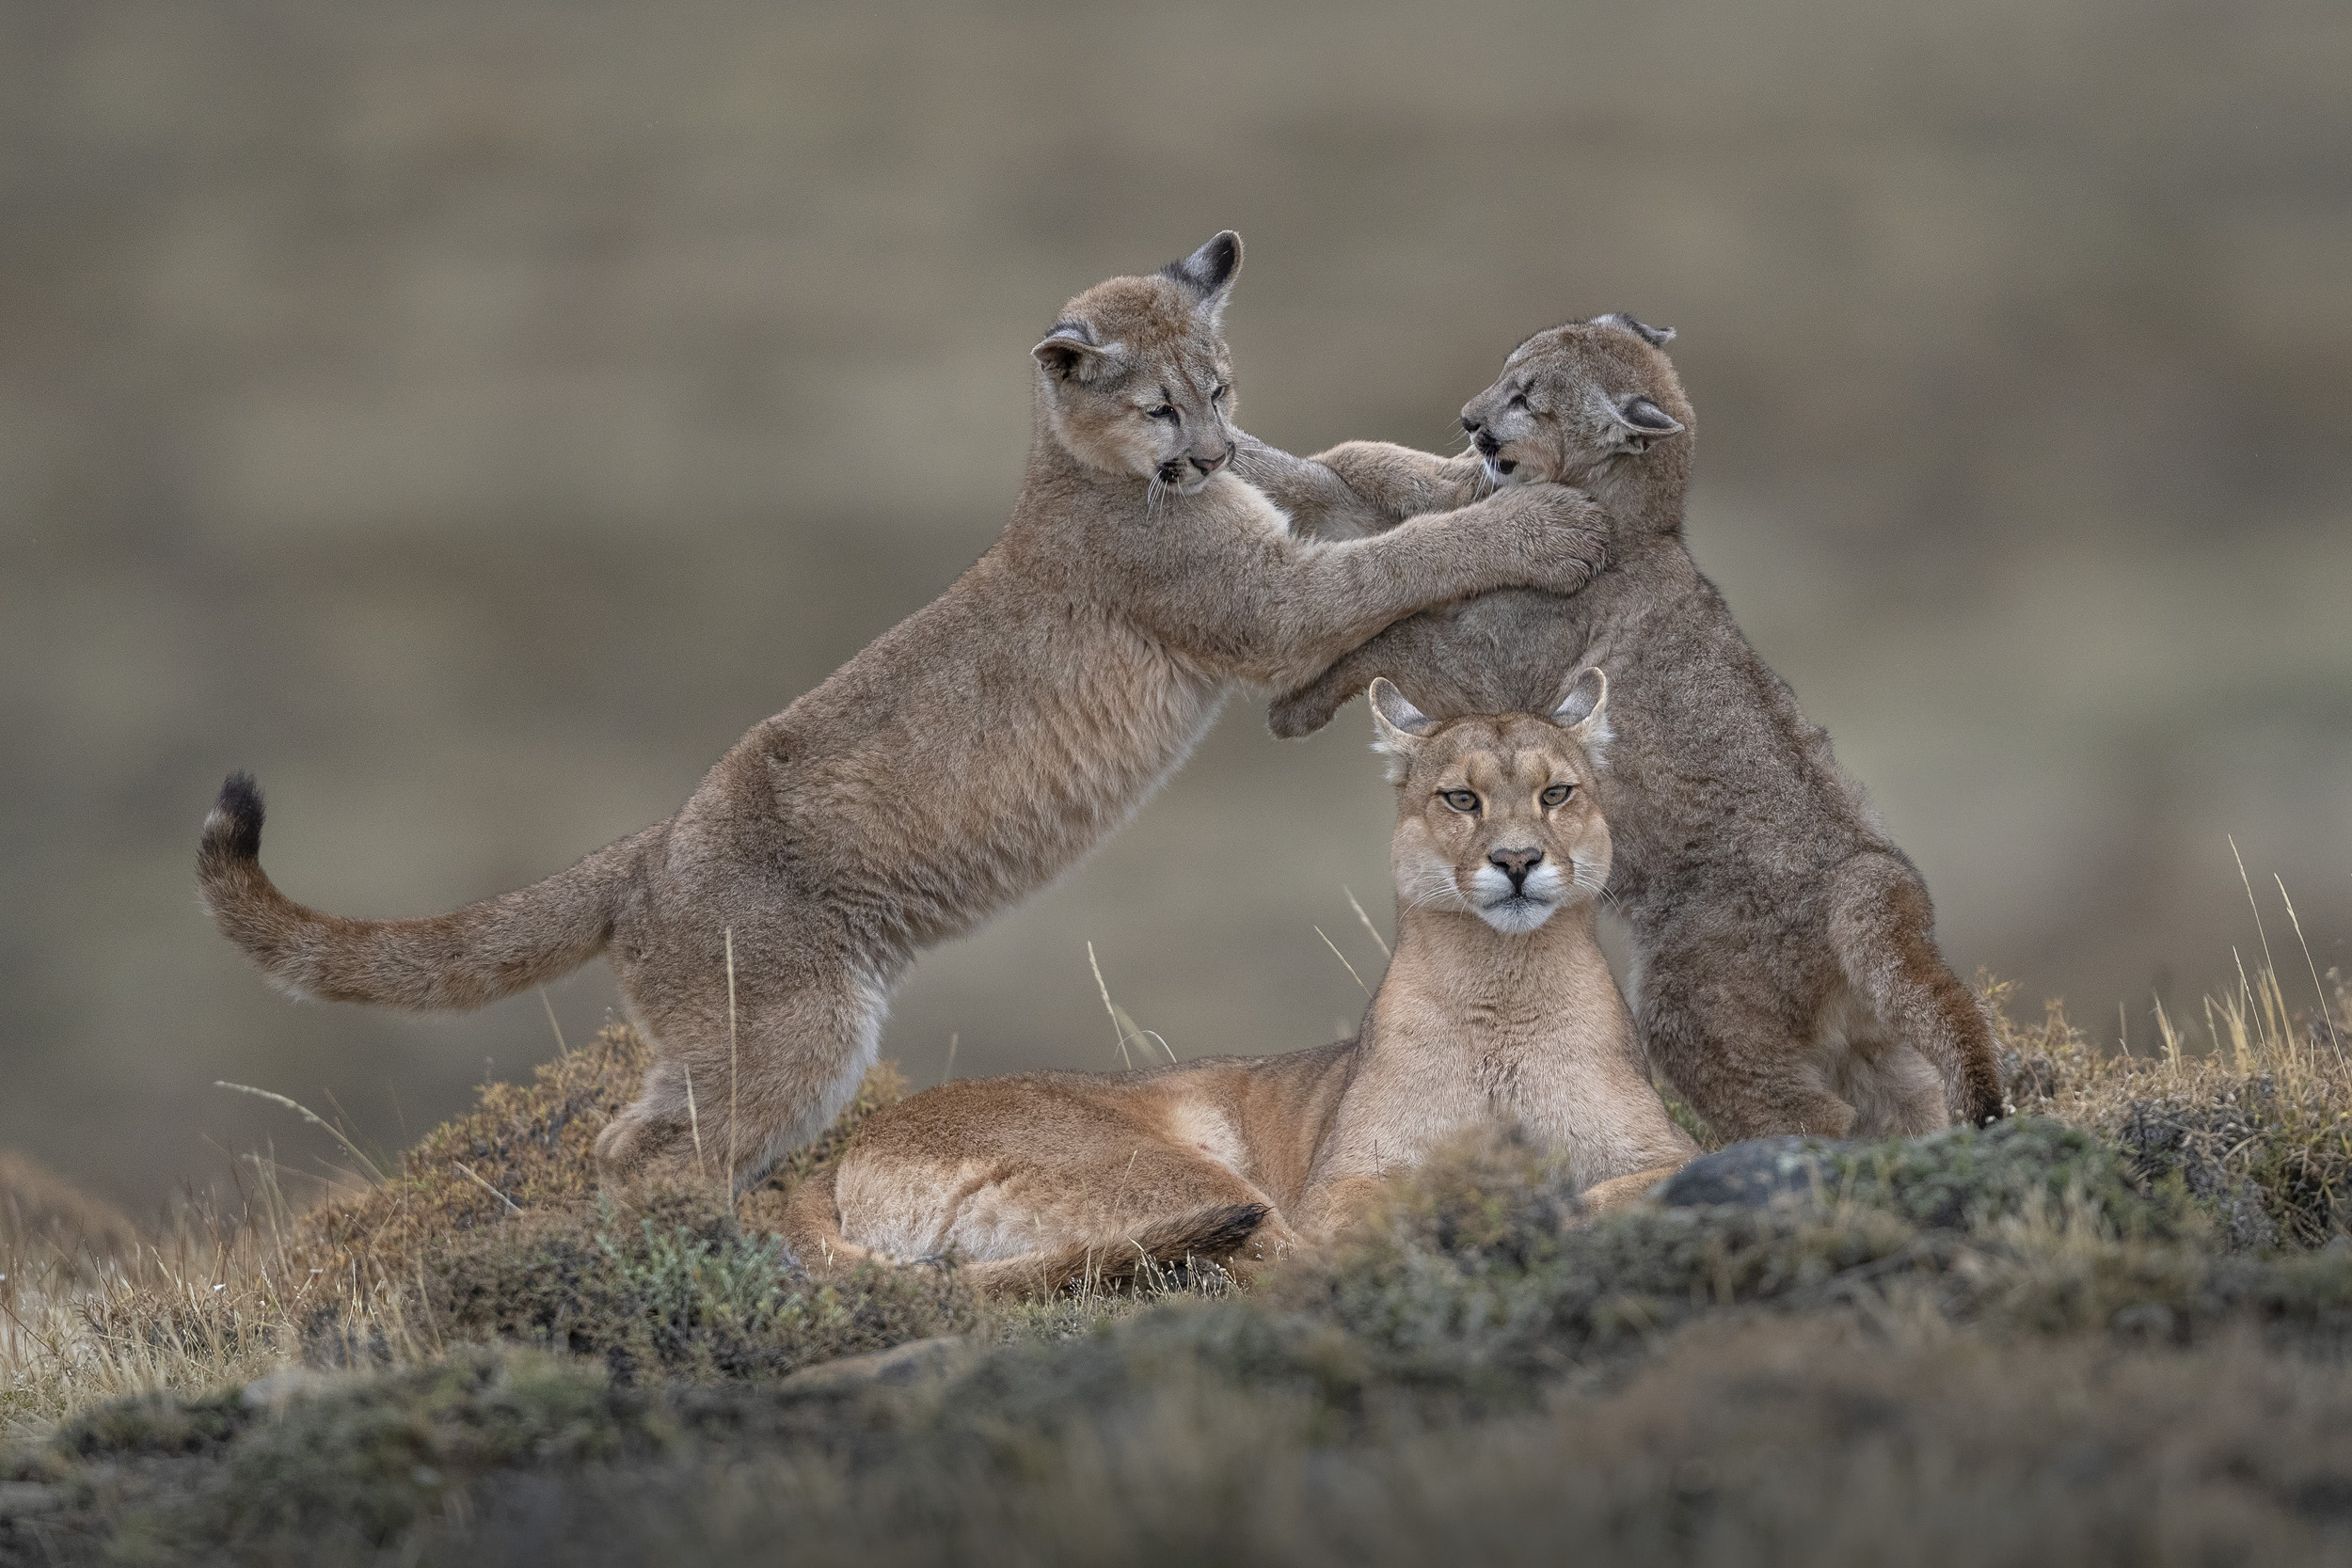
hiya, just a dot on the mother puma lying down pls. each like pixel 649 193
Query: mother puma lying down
pixel 968 756
pixel 1498 1007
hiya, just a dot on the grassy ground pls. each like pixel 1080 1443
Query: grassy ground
pixel 2109 1330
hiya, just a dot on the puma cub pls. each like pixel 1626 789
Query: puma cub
pixel 1786 973
pixel 964 759
pixel 1498 1007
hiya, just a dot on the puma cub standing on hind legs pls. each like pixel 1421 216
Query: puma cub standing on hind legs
pixel 1497 1007
pixel 969 756
pixel 1786 973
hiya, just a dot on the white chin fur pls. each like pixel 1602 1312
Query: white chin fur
pixel 1516 916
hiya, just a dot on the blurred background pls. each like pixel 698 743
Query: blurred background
pixel 471 416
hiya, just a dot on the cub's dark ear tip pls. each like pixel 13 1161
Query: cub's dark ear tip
pixel 1657 337
pixel 1210 267
pixel 234 827
pixel 1644 415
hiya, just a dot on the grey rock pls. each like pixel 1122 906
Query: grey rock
pixel 1753 1174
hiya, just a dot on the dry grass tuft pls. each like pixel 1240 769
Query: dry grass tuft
pixel 90 1310
pixel 2249 1105
pixel 206 1299
pixel 530 1142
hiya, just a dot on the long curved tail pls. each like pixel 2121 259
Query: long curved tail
pixel 812 1227
pixel 1883 929
pixel 445 963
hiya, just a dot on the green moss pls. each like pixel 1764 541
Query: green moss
pixel 1969 1177
pixel 362 1461
pixel 152 1424
pixel 678 1290
pixel 1469 1335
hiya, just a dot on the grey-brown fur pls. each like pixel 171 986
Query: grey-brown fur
pixel 968 756
pixel 1786 973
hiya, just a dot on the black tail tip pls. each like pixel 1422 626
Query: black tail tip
pixel 234 829
pixel 1221 1232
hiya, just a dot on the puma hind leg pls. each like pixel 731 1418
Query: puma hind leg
pixel 738 1100
pixel 1883 928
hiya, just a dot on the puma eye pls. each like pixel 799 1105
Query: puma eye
pixel 1518 400
pixel 1165 411
pixel 1219 396
pixel 1460 800
pixel 1558 794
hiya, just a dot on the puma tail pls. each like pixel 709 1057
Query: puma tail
pixel 445 963
pixel 1204 1236
pixel 1883 930
pixel 813 1228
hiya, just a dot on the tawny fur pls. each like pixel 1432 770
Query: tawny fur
pixel 964 759
pixel 1497 1007
pixel 1787 978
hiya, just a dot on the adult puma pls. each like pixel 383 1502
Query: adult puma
pixel 1497 1007
pixel 962 760
pixel 1786 975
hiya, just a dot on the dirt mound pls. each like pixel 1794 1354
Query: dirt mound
pixel 524 1149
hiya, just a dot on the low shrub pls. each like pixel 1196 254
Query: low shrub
pixel 2256 1126
pixel 676 1288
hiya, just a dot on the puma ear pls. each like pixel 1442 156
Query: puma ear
pixel 1069 353
pixel 1209 272
pixel 1647 417
pixel 1583 712
pixel 1642 421
pixel 1657 337
pixel 1398 725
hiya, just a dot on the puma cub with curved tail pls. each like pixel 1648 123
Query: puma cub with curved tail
pixel 1786 973
pixel 964 759
pixel 1496 1008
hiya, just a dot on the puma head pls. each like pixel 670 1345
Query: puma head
pixel 1580 405
pixel 1134 376
pixel 1496 816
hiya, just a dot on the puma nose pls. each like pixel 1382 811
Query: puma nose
pixel 1211 465
pixel 1515 863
